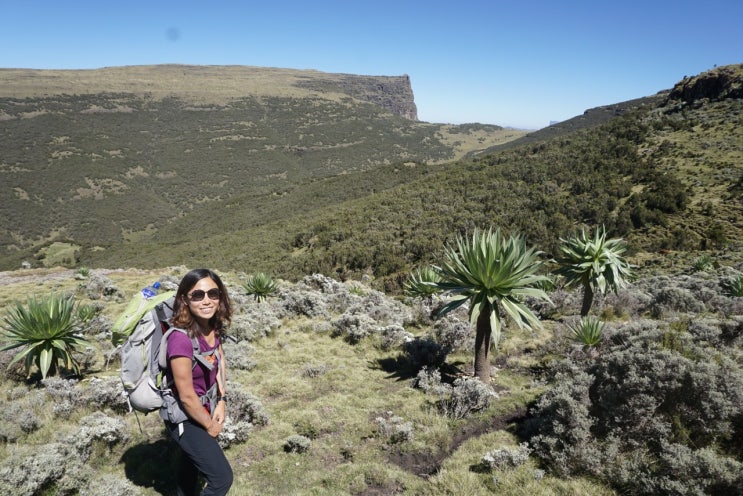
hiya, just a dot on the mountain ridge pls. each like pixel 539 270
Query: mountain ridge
pixel 345 187
pixel 210 84
pixel 83 151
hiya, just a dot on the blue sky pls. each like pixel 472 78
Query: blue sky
pixel 520 63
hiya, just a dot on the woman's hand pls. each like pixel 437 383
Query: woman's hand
pixel 219 415
pixel 214 428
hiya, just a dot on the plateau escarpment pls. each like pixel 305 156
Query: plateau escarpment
pixel 101 158
pixel 211 84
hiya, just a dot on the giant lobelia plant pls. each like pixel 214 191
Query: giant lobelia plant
pixel 597 264
pixel 261 286
pixel 46 328
pixel 421 283
pixel 494 274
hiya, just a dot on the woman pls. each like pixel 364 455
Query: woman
pixel 201 309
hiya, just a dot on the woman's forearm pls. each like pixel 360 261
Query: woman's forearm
pixel 195 410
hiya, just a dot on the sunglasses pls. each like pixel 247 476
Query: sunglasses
pixel 199 294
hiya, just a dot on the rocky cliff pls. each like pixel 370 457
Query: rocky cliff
pixel 717 84
pixel 391 92
pixel 212 84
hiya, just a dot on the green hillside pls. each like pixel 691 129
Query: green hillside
pixel 101 158
pixel 300 185
pixel 662 173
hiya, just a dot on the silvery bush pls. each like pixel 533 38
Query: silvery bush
pixel 393 428
pixel 466 396
pixel 504 458
pixel 656 413
pixel 297 444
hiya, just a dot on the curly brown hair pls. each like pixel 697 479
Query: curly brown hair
pixel 182 317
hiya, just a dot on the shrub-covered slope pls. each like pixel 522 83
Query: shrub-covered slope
pixel 667 177
pixel 102 158
pixel 664 173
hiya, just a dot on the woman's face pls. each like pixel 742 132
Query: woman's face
pixel 202 306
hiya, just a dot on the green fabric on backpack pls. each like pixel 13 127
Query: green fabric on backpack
pixel 135 310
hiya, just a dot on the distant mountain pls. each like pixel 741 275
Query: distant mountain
pixel 100 158
pixel 210 84
pixel 301 180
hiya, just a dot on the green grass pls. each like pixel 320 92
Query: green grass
pixel 457 475
pixel 348 455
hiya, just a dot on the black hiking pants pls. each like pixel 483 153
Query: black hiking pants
pixel 200 453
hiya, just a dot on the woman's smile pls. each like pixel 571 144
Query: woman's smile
pixel 204 309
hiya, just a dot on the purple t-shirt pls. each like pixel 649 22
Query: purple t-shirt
pixel 179 345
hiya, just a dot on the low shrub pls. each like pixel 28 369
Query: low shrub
pixel 466 396
pixel 253 324
pixel 63 467
pixel 393 428
pixel 394 336
pixel 243 412
pixel 234 432
pixel 311 370
pixel 506 458
pixel 98 428
pixel 100 287
pixel 424 352
pixel 353 327
pixel 453 334
pixel 731 330
pixel 243 406
pixel 429 380
pixel 648 416
pixel 669 300
pixel 239 355
pixel 297 444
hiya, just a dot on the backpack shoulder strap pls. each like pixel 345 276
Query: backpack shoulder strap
pixel 198 356
pixel 162 359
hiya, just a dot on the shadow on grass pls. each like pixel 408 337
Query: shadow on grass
pixel 480 468
pixel 400 368
pixel 153 465
pixel 417 354
pixel 404 368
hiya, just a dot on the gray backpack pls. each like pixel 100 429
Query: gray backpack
pixel 144 361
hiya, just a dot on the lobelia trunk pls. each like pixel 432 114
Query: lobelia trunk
pixel 587 300
pixel 482 346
